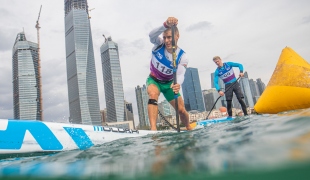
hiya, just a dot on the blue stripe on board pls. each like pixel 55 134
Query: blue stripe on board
pixel 13 136
pixel 79 137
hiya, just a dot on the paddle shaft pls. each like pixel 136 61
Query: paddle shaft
pixel 175 76
pixel 221 96
pixel 166 121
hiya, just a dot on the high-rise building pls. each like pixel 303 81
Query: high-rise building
pixel 165 108
pixel 245 87
pixel 81 71
pixel 142 102
pixel 212 80
pixel 220 82
pixel 112 80
pixel 254 90
pixel 191 88
pixel 129 112
pixel 261 86
pixel 26 88
pixel 210 96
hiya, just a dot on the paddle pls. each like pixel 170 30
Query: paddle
pixel 193 124
pixel 221 96
pixel 167 122
pixel 175 76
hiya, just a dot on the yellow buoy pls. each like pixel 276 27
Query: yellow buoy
pixel 289 86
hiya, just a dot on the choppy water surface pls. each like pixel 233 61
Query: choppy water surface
pixel 262 146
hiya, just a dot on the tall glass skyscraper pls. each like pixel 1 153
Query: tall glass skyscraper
pixel 81 71
pixel 129 113
pixel 26 88
pixel 192 93
pixel 112 80
pixel 261 86
pixel 142 102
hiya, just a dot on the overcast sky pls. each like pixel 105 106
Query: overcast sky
pixel 246 31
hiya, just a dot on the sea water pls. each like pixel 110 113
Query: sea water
pixel 256 147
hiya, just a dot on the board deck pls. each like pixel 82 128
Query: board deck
pixel 30 136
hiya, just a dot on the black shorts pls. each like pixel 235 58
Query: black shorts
pixel 236 89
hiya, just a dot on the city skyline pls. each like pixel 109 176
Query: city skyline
pixel 244 41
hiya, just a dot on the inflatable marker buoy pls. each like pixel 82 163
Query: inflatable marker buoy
pixel 289 86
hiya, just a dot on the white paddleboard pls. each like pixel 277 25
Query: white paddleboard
pixel 27 136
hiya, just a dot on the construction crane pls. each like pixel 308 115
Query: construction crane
pixel 105 39
pixel 89 12
pixel 39 67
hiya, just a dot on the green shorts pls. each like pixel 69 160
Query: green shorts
pixel 164 88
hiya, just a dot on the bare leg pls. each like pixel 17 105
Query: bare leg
pixel 182 112
pixel 153 93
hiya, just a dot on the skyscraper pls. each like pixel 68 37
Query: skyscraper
pixel 220 82
pixel 210 97
pixel 26 88
pixel 254 90
pixel 212 80
pixel 81 71
pixel 261 86
pixel 129 112
pixel 245 87
pixel 142 102
pixel 191 88
pixel 112 80
pixel 165 108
